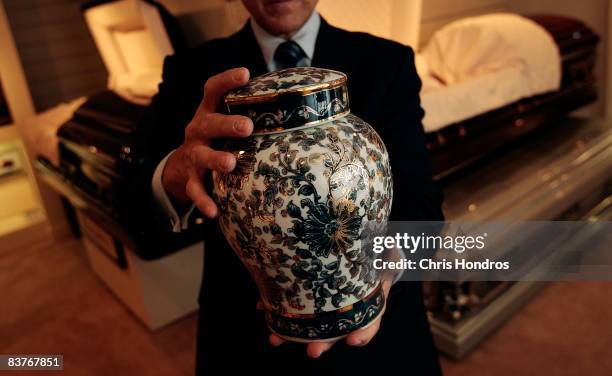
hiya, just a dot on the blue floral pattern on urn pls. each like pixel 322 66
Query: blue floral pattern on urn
pixel 295 206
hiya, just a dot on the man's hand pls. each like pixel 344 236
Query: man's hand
pixel 359 337
pixel 186 168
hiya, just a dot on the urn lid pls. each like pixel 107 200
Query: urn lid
pixel 290 98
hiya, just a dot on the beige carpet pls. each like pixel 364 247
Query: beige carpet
pixel 565 330
pixel 52 303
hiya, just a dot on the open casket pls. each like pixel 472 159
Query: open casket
pixel 534 163
pixel 455 144
pixel 98 150
pixel 97 146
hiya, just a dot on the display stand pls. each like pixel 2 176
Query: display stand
pixel 560 173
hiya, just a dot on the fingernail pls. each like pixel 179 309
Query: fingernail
pixel 242 126
pixel 225 164
pixel 355 342
pixel 239 75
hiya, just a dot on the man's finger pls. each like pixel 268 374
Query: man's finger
pixel 196 192
pixel 215 125
pixel 363 336
pixel 315 349
pixel 275 340
pixel 218 85
pixel 205 158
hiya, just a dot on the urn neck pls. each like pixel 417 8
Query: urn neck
pixel 278 113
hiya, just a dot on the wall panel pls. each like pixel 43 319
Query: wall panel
pixel 58 55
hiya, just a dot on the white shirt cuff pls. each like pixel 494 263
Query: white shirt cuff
pixel 177 222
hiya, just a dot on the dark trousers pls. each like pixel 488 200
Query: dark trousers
pixel 231 342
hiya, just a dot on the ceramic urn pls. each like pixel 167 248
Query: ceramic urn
pixel 294 208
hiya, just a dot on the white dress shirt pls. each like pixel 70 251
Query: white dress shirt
pixel 306 38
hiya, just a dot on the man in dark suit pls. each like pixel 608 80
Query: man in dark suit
pixel 183 122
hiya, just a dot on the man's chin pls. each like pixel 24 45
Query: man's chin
pixel 280 17
pixel 281 8
pixel 281 26
pixel 282 11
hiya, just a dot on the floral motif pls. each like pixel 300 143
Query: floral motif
pixel 316 223
pixel 244 151
pixel 327 229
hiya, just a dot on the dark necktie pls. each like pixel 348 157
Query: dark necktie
pixel 288 54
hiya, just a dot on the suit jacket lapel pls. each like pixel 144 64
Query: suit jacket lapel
pixel 324 55
pixel 247 51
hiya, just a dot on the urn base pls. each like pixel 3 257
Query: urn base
pixel 328 326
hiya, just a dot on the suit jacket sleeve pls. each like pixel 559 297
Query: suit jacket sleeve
pixel 415 196
pixel 171 109
pixel 161 131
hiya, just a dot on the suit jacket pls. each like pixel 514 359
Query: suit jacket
pixel 384 91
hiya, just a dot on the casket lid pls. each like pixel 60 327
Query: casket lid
pixel 133 41
pixel 290 98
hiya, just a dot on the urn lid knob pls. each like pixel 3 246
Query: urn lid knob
pixel 290 98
